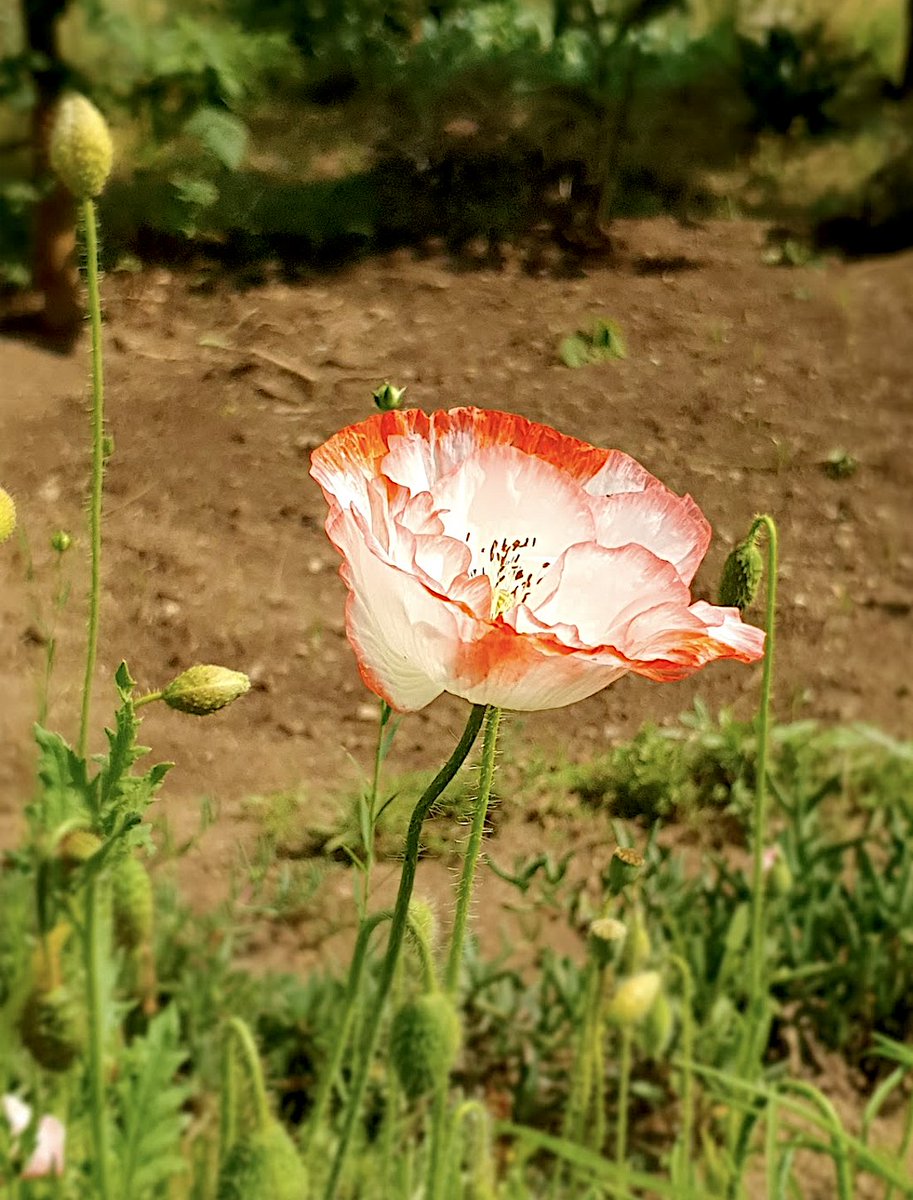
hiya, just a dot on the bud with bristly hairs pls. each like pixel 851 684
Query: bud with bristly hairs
pixel 132 904
pixel 743 571
pixel 264 1165
pixel 204 689
pixel 425 1039
pixel 81 150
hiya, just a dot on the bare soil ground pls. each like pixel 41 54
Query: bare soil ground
pixel 741 379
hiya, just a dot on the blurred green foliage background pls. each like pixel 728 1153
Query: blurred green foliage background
pixel 314 130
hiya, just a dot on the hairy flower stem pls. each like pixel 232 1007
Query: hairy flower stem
pixel 752 1047
pixel 757 981
pixel 343 1032
pixel 98 467
pixel 395 943
pixel 92 943
pixel 624 1097
pixel 93 951
pixel 437 1155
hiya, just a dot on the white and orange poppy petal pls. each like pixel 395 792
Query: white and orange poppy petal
pixel 49 1155
pixel 527 674
pixel 665 643
pixel 671 527
pixel 405 637
pixel 502 496
pixel 601 589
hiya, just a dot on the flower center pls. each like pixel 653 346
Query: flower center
pixel 510 571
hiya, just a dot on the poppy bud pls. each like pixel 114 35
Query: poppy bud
pixel 7 515
pixel 634 997
pixel 61 541
pixel 742 574
pixel 658 1027
pixel 624 868
pixel 81 149
pixel 423 921
pixel 780 878
pixel 387 397
pixel 263 1166
pixel 132 904
pixel 637 945
pixel 52 1029
pixel 77 847
pixel 201 690
pixel 424 1042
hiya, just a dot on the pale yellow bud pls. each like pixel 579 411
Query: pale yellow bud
pixel 634 997
pixel 7 515
pixel 81 149
pixel 205 689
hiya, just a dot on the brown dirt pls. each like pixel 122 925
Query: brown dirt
pixel 740 380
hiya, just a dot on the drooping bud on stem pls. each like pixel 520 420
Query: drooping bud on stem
pixel 81 150
pixel 425 1040
pixel 132 904
pixel 204 689
pixel 61 541
pixel 634 997
pixel 637 949
pixel 7 515
pixel 743 571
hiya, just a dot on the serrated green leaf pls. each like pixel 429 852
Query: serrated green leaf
pixel 67 794
pixel 603 342
pixel 221 133
pixel 150 1130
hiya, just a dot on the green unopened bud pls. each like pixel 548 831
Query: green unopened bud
pixel 423 921
pixel 425 1040
pixel 52 1028
pixel 637 945
pixel 263 1166
pixel 743 571
pixel 77 847
pixel 61 541
pixel 202 690
pixel 658 1027
pixel 780 878
pixel 634 997
pixel 81 149
pixel 624 868
pixel 387 397
pixel 132 904
pixel 7 515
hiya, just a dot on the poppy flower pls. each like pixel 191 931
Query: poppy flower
pixel 499 560
pixel 47 1157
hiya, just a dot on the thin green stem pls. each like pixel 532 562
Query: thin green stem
pixel 394 945
pixel 93 952
pixel 238 1033
pixel 98 468
pixel 343 1032
pixel 228 1101
pixel 687 1132
pixel 471 858
pixel 624 1099
pixel 756 984
pixel 437 1154
pixel 149 698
